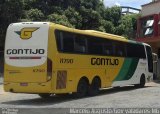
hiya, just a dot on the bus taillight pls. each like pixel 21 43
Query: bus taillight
pixel 49 69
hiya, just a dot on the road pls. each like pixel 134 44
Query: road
pixel 124 97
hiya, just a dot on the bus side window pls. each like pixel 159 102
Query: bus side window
pixel 68 45
pixel 150 59
pixel 108 48
pixel 95 46
pixel 120 49
pixel 65 41
pixel 59 40
pixel 136 51
pixel 80 44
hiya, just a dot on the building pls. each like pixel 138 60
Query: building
pixel 148 27
pixel 129 10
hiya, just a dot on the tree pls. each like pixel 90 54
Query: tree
pixel 10 11
pixel 90 18
pixel 80 14
pixel 73 17
pixel 59 19
pixel 127 26
pixel 120 30
pixel 109 27
pixel 35 15
pixel 113 14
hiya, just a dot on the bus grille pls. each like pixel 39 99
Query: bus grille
pixel 61 79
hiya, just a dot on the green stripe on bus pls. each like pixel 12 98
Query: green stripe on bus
pixel 128 69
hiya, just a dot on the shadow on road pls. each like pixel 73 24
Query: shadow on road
pixel 157 81
pixel 119 89
pixel 68 97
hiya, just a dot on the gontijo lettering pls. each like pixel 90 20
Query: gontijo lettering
pixel 25 51
pixel 104 61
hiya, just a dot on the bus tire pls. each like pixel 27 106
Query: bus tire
pixel 45 95
pixel 142 82
pixel 82 88
pixel 94 87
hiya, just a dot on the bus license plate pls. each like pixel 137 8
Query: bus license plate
pixel 23 84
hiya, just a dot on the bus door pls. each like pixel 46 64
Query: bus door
pixel 149 59
pixel 150 62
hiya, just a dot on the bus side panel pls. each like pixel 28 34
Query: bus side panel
pixel 52 55
pixel 130 72
pixel 74 67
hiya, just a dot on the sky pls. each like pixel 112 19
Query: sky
pixel 130 3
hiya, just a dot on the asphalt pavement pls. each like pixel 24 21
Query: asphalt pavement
pixel 109 99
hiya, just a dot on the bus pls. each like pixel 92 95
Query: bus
pixel 45 58
pixel 155 66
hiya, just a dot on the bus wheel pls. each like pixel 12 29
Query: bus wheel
pixel 45 95
pixel 94 87
pixel 142 82
pixel 82 88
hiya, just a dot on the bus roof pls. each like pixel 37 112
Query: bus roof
pixel 94 33
pixel 86 32
pixel 90 32
pixel 103 33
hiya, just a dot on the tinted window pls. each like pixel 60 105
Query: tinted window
pixel 59 40
pixel 150 59
pixel 95 46
pixel 120 49
pixel 80 45
pixel 108 47
pixel 68 42
pixel 134 50
pixel 84 44
pixel 65 41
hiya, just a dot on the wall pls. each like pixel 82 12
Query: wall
pixel 151 8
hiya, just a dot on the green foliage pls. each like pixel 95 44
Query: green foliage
pixel 80 14
pixel 109 27
pixel 128 26
pixel 73 17
pixel 35 15
pixel 59 19
pixel 113 14
pixel 10 11
pixel 90 18
pixel 119 30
